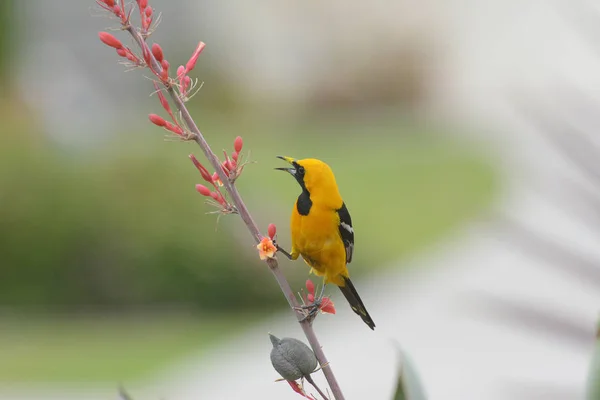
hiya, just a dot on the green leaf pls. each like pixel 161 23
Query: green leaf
pixel 409 386
pixel 593 381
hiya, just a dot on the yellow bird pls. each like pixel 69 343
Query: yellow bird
pixel 322 230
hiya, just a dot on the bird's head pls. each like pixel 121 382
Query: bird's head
pixel 313 176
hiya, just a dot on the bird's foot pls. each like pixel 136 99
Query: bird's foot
pixel 282 250
pixel 309 311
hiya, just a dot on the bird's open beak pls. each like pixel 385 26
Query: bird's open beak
pixel 289 160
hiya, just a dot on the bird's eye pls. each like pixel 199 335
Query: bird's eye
pixel 301 170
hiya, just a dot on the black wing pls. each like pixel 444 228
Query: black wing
pixel 346 231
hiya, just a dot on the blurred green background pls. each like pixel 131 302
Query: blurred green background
pixel 108 253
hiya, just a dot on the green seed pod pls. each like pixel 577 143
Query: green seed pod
pixel 292 359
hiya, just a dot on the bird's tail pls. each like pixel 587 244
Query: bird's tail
pixel 356 303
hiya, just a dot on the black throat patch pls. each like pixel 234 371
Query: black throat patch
pixel 304 203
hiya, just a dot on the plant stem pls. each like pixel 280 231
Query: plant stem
pixel 248 220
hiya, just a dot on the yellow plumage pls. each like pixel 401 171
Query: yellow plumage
pixel 318 241
pixel 321 228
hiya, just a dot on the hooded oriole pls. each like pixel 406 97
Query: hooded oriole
pixel 322 230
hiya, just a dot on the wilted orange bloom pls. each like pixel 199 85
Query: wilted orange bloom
pixel 327 305
pixel 298 389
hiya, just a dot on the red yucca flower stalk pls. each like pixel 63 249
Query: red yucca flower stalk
pixel 219 187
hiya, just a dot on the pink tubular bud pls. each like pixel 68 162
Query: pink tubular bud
pixel 205 174
pixel 203 190
pixel 215 177
pixel 165 70
pixel 122 52
pixel 109 3
pixel 311 297
pixel 218 198
pixel 117 10
pixel 163 100
pixel 192 61
pixel 143 4
pixel 272 230
pixel 310 286
pixel 157 120
pixel 238 143
pixel 224 169
pixel 235 155
pixel 146 55
pixel 157 52
pixel 131 57
pixel 203 171
pixel 180 71
pixel 148 12
pixel 173 128
pixel 110 40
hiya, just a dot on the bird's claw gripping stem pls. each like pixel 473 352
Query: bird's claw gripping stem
pixel 282 250
pixel 310 310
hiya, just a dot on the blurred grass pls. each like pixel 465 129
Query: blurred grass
pixel 121 226
pixel 405 185
pixel 101 348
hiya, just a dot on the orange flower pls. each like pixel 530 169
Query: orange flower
pixel 327 305
pixel 266 248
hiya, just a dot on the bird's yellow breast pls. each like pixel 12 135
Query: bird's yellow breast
pixel 317 239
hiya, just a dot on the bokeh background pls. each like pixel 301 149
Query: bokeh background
pixel 463 139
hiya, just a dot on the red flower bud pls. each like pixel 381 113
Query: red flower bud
pixel 122 52
pixel 235 155
pixel 110 40
pixel 157 120
pixel 148 12
pixel 165 69
pixel 203 171
pixel 131 57
pixel 203 190
pixel 225 167
pixel 311 297
pixel 205 174
pixel 163 100
pixel 310 286
pixel 146 55
pixel 218 198
pixel 192 61
pixel 215 177
pixel 143 4
pixel 238 143
pixel 173 128
pixel 180 71
pixel 296 388
pixel 109 3
pixel 157 51
pixel 272 230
